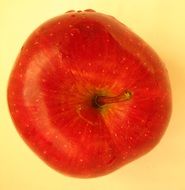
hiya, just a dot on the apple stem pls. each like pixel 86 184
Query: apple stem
pixel 102 100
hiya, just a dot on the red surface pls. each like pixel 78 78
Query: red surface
pixel 62 66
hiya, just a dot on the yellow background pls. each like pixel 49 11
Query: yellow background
pixel 159 22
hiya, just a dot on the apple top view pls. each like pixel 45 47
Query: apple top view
pixel 88 95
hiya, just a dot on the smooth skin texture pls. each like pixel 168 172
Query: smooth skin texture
pixel 88 95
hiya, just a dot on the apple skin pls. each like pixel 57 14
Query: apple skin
pixel 63 65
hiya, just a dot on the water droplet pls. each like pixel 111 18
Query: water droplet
pixel 89 10
pixel 70 11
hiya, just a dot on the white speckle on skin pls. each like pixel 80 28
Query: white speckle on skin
pixel 110 155
pixel 131 138
pixel 47 133
pixel 44 152
pixel 63 109
pixel 66 35
pixel 79 132
pixel 126 68
pixel 134 106
pixel 71 34
pixel 27 125
pixel 103 70
pixel 79 108
pixel 35 43
pixel 65 146
pixel 37 100
pixel 108 25
pixel 87 26
pixel 50 34
pixel 115 134
pixel 43 80
pixel 16 111
pixel 59 23
pixel 143 121
pixel 20 75
pixel 114 72
pixel 56 137
pixel 70 26
pixel 161 106
pixel 81 160
pixel 89 63
pixel 124 157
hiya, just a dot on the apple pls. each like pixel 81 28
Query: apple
pixel 88 95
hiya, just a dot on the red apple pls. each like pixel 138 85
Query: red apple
pixel 88 95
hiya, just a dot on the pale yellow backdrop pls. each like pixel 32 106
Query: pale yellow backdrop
pixel 159 22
